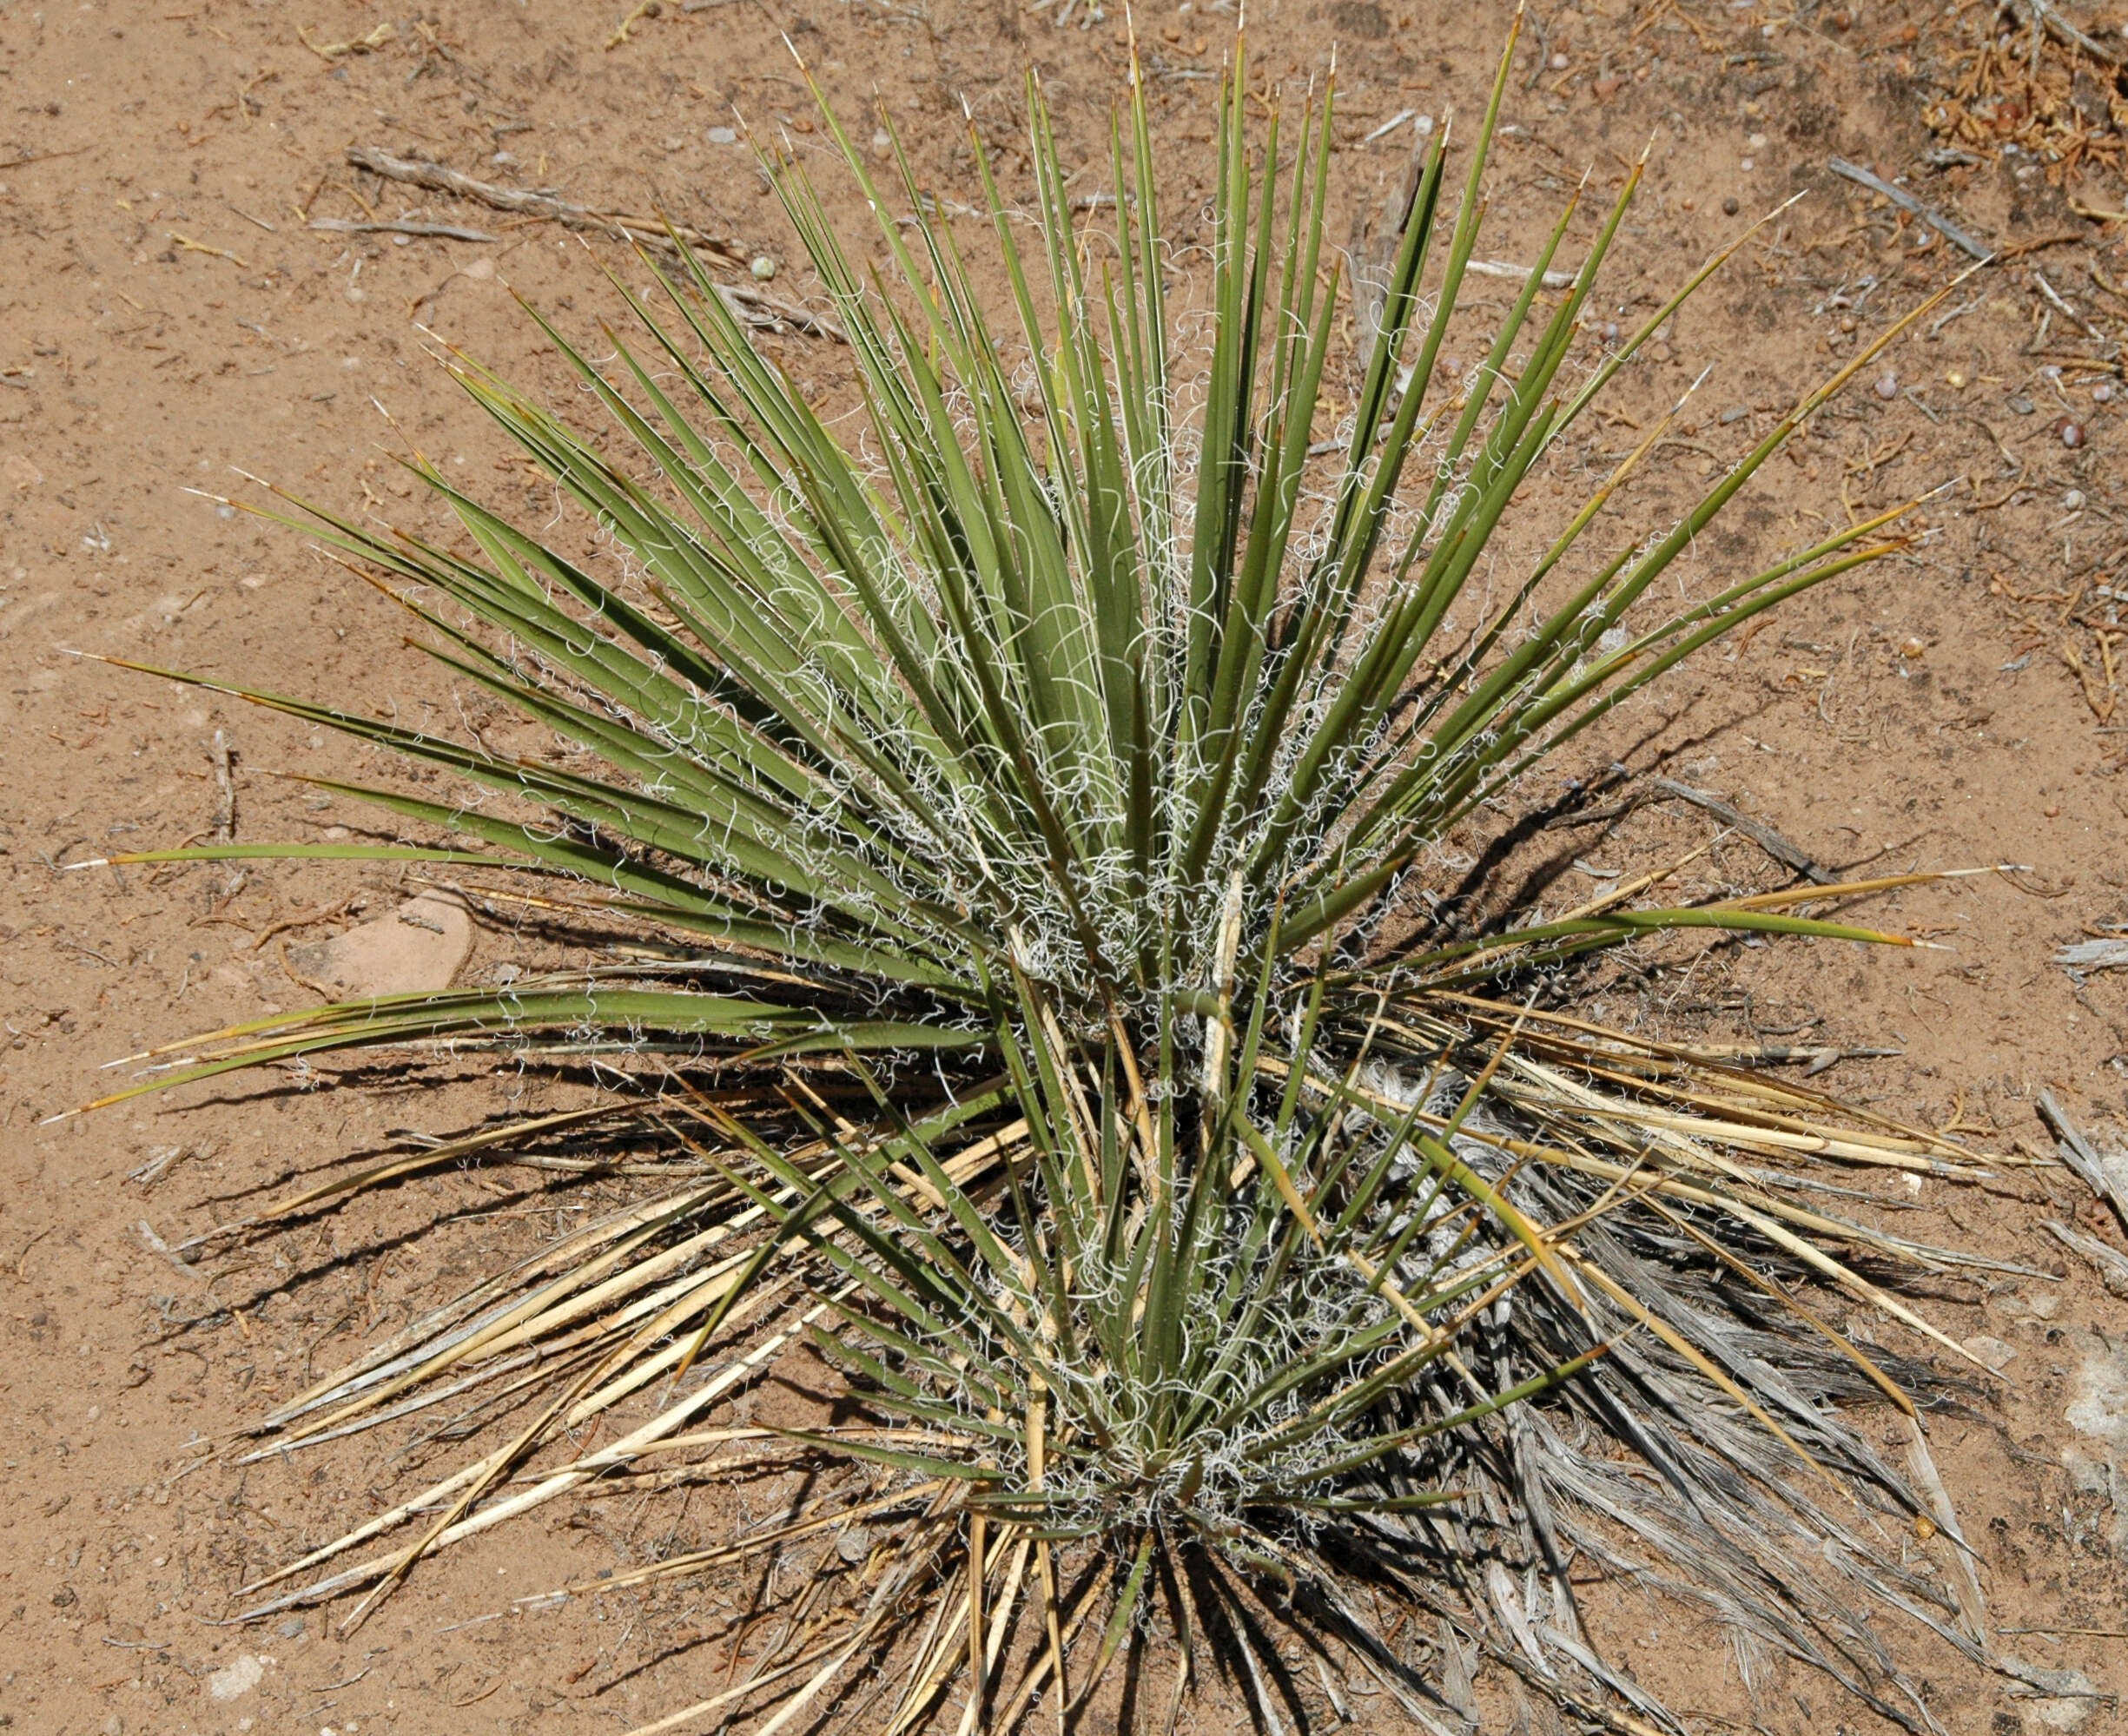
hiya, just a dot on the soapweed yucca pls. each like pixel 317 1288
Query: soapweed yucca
pixel 1032 796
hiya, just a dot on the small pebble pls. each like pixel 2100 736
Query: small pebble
pixel 1728 206
pixel 2020 406
pixel 1558 63
pixel 1955 380
pixel 2073 500
pixel 721 135
pixel 2071 433
pixel 2102 393
pixel 1608 331
pixel 1747 164
pixel 764 267
pixel 1887 387
pixel 883 143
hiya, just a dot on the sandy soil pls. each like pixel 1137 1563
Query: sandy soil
pixel 166 318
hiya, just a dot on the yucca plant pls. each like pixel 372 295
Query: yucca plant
pixel 1031 797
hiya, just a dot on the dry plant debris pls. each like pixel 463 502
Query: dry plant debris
pixel 2022 76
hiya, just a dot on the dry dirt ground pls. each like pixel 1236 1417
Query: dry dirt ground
pixel 170 315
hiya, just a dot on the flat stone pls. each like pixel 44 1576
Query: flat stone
pixel 2062 1714
pixel 418 949
pixel 235 1678
pixel 1997 1355
pixel 2096 1455
pixel 2099 1410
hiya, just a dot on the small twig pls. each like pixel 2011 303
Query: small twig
pixel 2054 295
pixel 1899 196
pixel 329 52
pixel 193 246
pixel 225 790
pixel 158 1245
pixel 1759 834
pixel 157 1167
pixel 323 991
pixel 2015 489
pixel 304 919
pixel 448 232
pixel 757 309
pixel 644 9
pixel 2042 15
pixel 1543 49
pixel 42 156
pixel 1957 312
pixel 434 175
pixel 22 1258
pixel 2038 244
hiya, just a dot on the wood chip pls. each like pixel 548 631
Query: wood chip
pixel 1759 834
pixel 2110 1263
pixel 2104 1172
pixel 1899 196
